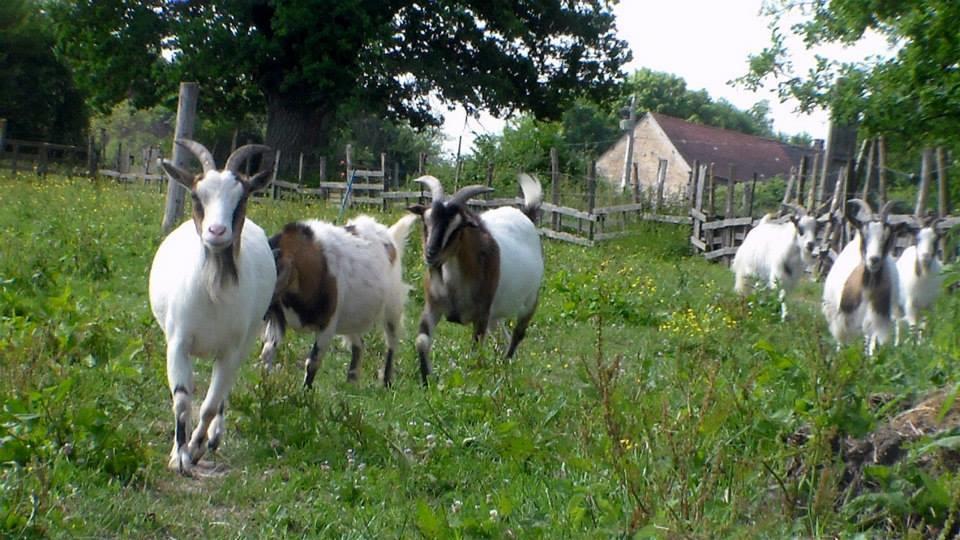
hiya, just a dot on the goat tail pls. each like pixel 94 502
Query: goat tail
pixel 532 195
pixel 400 231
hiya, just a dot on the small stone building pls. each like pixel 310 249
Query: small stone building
pixel 661 137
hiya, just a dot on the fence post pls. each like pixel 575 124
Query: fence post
pixel 490 168
pixel 349 162
pixel 16 152
pixel 811 199
pixel 868 176
pixel 273 176
pixel 422 164
pixel 91 157
pixel 711 193
pixel 186 116
pixel 925 173
pixel 555 187
pixel 802 178
pixel 592 195
pixel 43 158
pixel 300 172
pixel 789 190
pixel 386 181
pixel 882 170
pixel 661 179
pixel 943 204
pixel 748 196
pixel 731 185
pixel 636 183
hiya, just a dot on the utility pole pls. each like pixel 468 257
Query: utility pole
pixel 628 124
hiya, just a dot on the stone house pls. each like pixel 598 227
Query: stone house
pixel 660 137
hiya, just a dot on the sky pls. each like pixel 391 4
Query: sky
pixel 706 42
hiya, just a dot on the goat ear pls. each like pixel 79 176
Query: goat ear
pixel 257 181
pixel 417 209
pixel 177 174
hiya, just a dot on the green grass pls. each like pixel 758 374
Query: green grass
pixel 647 400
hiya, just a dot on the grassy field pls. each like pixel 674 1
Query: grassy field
pixel 647 401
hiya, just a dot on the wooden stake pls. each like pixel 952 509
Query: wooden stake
pixel 926 171
pixel 186 117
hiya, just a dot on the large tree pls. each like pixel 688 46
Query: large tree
pixel 37 94
pixel 302 60
pixel 668 94
pixel 912 95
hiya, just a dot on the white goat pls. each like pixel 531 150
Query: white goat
pixel 861 289
pixel 210 286
pixel 480 269
pixel 776 254
pixel 921 278
pixel 338 281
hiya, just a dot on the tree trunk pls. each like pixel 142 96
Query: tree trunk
pixel 293 127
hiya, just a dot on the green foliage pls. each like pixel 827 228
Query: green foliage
pixel 668 94
pixel 912 96
pixel 303 61
pixel 37 93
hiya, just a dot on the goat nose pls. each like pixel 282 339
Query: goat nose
pixel 810 246
pixel 217 230
pixel 874 261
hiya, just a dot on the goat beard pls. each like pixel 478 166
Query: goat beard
pixel 219 271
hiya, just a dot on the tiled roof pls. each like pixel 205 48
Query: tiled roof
pixel 747 153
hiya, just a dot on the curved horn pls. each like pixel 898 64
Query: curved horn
pixel 865 213
pixel 465 193
pixel 242 154
pixel 201 153
pixel 797 209
pixel 885 211
pixel 436 188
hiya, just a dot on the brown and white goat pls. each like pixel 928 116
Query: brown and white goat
pixel 861 291
pixel 481 269
pixel 338 281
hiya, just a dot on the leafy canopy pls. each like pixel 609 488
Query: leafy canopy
pixel 913 96
pixel 303 60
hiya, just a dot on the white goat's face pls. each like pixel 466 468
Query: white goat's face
pixel 219 208
pixel 806 238
pixel 926 246
pixel 875 243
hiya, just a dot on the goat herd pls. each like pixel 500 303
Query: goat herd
pixel 867 292
pixel 216 279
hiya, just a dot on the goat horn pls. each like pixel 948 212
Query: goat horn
pixel 436 188
pixel 465 193
pixel 242 154
pixel 797 209
pixel 201 153
pixel 885 211
pixel 865 213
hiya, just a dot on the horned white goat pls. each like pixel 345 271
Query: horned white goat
pixel 861 289
pixel 481 269
pixel 210 285
pixel 921 278
pixel 776 254
pixel 338 281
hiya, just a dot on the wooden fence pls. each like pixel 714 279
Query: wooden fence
pixel 40 157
